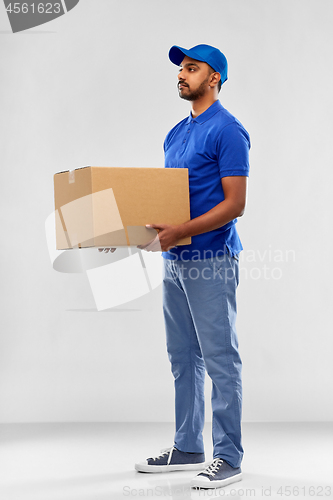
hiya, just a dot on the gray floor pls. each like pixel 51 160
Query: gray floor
pixel 95 462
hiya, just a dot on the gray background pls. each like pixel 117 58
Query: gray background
pixel 95 87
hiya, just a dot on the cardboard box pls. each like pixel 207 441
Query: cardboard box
pixel 110 206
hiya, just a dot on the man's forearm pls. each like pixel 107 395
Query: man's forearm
pixel 217 217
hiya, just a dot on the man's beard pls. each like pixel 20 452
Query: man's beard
pixel 195 94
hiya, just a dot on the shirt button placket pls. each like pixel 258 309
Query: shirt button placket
pixel 186 136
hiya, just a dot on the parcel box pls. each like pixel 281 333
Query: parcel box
pixel 110 206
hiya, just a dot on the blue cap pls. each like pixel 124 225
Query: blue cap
pixel 204 53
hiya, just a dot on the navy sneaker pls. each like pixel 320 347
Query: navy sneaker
pixel 172 459
pixel 218 474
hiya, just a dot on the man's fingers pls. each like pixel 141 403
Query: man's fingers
pixel 158 227
pixel 152 245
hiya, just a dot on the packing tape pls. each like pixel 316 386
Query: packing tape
pixel 71 176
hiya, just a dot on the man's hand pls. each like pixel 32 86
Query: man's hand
pixel 167 238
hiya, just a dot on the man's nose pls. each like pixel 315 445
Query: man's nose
pixel 180 75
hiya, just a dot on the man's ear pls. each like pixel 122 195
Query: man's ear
pixel 215 78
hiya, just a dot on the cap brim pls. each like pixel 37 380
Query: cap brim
pixel 177 54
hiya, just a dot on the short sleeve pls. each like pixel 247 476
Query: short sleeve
pixel 233 150
pixel 166 142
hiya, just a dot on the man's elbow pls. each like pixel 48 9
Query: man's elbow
pixel 239 210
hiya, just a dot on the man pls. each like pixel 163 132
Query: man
pixel 200 279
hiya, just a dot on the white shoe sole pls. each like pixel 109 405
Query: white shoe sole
pixel 204 482
pixel 144 467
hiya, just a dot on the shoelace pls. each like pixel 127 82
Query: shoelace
pixel 212 469
pixel 165 452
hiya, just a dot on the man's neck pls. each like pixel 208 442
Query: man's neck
pixel 200 105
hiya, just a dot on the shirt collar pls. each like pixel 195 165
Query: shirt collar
pixel 206 115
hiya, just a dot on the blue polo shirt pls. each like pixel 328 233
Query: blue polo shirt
pixel 212 146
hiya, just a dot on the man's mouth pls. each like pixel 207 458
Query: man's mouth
pixel 182 85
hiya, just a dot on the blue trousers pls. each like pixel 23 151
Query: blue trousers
pixel 199 305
